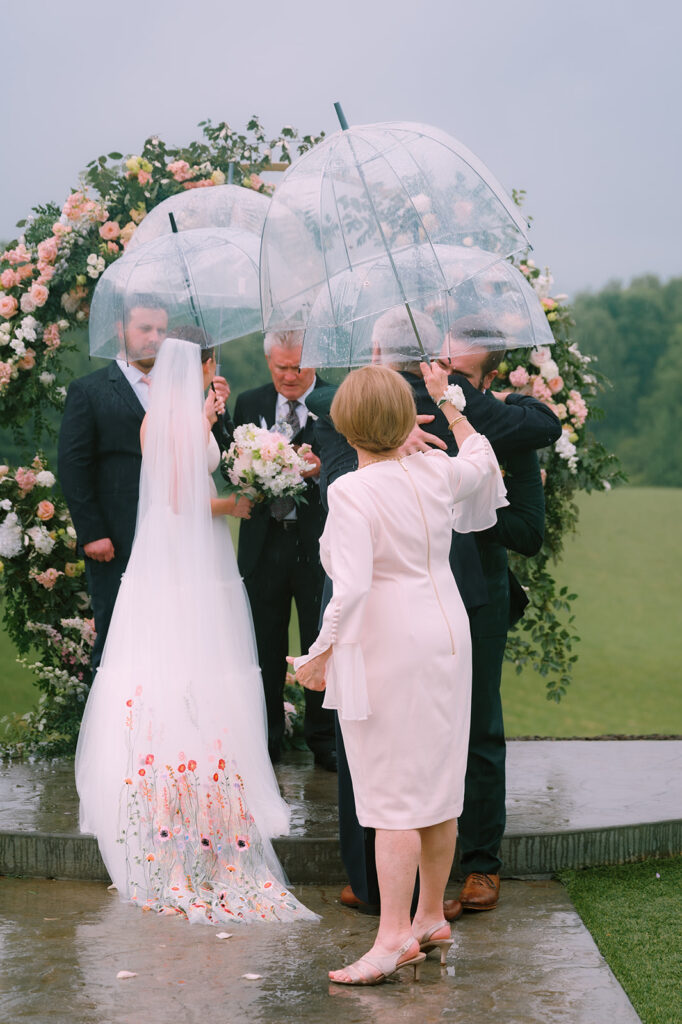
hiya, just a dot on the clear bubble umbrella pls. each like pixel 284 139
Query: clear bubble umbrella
pixel 375 192
pixel 356 319
pixel 221 206
pixel 202 278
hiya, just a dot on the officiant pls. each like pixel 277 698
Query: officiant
pixel 279 557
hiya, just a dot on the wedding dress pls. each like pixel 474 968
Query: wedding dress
pixel 172 766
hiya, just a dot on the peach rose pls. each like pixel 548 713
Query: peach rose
pixel 9 278
pixel 39 293
pixel 60 229
pixel 8 306
pixel 51 336
pixel 112 247
pixel 45 511
pixel 110 230
pixel 46 271
pixel 72 569
pixel 555 384
pixel 47 250
pixel 25 271
pixel 28 360
pixel 180 170
pixel 144 177
pixel 4 470
pixel 207 183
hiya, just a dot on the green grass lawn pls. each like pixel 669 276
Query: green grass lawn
pixel 625 564
pixel 633 912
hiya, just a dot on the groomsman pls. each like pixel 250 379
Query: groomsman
pixel 279 559
pixel 99 457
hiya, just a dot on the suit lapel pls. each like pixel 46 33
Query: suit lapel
pixel 125 390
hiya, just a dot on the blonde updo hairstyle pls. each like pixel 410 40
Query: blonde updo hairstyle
pixel 374 409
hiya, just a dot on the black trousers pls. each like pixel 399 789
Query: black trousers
pixel 104 580
pixel 284 572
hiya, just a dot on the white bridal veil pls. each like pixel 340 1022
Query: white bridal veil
pixel 172 765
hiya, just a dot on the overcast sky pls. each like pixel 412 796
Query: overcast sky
pixel 577 102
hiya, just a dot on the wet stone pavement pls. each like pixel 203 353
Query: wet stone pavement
pixel 530 961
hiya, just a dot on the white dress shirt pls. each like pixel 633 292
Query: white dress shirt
pixel 135 379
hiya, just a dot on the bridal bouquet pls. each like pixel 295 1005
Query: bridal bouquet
pixel 262 465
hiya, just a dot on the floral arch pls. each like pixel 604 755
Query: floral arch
pixel 47 277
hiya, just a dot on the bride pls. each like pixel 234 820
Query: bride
pixel 172 765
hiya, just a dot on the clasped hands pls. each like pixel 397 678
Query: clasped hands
pixel 311 674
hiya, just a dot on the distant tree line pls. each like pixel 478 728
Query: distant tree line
pixel 635 333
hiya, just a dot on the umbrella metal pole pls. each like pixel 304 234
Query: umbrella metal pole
pixel 195 307
pixel 344 127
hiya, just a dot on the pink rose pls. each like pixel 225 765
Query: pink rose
pixel 112 247
pixel 46 270
pixel 8 306
pixel 45 510
pixel 555 384
pixel 110 230
pixel 60 229
pixel 540 389
pixel 518 378
pixel 198 184
pixel 48 578
pixel 26 479
pixel 548 303
pixel 180 170
pixel 47 250
pixel 18 255
pixel 144 177
pixel 39 293
pixel 28 360
pixel 9 278
pixel 539 356
pixel 5 377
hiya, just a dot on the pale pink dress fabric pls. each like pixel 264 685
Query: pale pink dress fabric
pixel 400 671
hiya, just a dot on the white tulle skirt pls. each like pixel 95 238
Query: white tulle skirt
pixel 172 766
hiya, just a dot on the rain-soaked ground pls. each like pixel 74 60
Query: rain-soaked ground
pixel 62 944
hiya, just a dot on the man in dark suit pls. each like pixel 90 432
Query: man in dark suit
pixel 515 425
pixel 99 457
pixel 279 558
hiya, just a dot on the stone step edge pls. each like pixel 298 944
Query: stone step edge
pixel 311 861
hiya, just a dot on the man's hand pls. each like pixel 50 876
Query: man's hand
pixel 222 390
pixel 99 550
pixel 419 440
pixel 312 460
pixel 502 395
pixel 311 675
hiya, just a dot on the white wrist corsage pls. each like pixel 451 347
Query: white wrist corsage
pixel 455 396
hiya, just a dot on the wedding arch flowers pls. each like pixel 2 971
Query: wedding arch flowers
pixel 47 277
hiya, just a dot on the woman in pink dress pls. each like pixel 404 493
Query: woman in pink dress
pixel 394 651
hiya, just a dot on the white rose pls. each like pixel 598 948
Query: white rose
pixel 539 356
pixel 42 541
pixel 11 537
pixel 549 369
pixel 6 504
pixel 27 303
pixel 46 379
pixel 18 346
pixel 45 478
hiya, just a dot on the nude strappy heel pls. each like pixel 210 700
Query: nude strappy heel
pixel 426 943
pixel 364 971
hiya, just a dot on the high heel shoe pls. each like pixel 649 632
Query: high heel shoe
pixel 427 943
pixel 373 970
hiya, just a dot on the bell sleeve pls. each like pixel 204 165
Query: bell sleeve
pixel 476 485
pixel 348 545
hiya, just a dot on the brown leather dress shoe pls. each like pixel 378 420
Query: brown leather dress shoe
pixel 348 898
pixel 480 892
pixel 452 910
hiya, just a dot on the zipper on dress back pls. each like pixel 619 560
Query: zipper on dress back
pixel 428 554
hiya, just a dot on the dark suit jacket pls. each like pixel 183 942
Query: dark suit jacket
pixel 515 429
pixel 99 457
pixel 249 408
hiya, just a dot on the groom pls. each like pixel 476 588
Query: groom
pixel 279 559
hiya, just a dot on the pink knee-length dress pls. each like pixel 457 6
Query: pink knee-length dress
pixel 400 670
